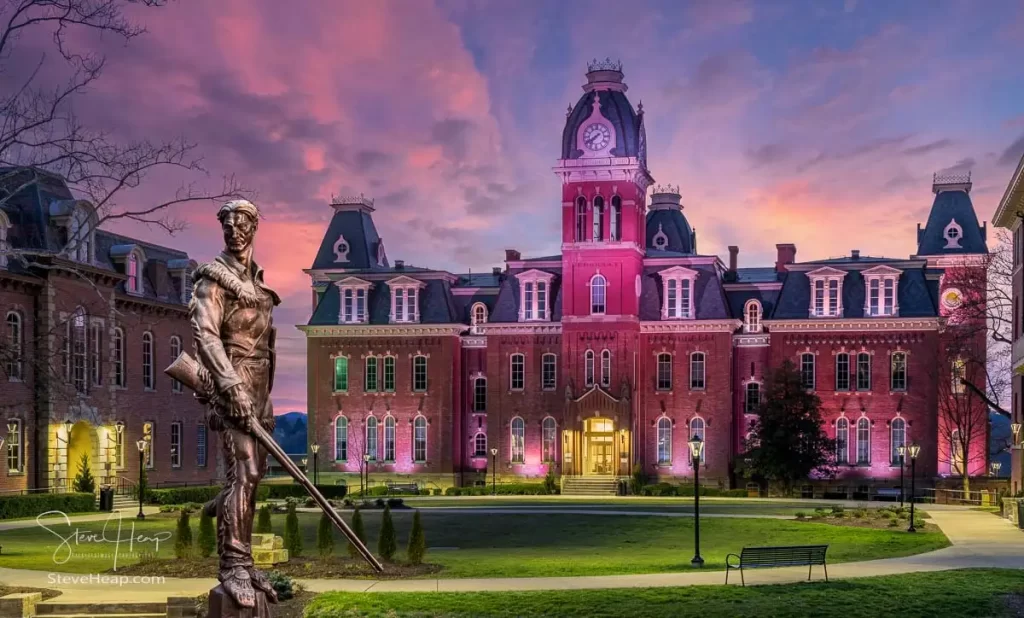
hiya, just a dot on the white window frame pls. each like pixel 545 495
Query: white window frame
pixel 581 219
pixel 371 366
pixel 698 426
pixel 864 386
pixel 119 441
pixel 480 388
pixel 606 368
pixel 78 328
pixel 598 286
pixel 352 290
pixel 878 279
pixel 814 370
pixel 16 342
pixel 517 440
pixel 149 434
pixel 663 359
pixel 15 455
pixel 664 437
pixel 390 439
pixel 681 305
pixel 892 371
pixel 419 443
pixel 416 372
pixel 175 344
pixel 134 271
pixel 372 444
pixel 864 442
pixel 548 440
pixel 176 443
pixel 405 300
pixel 598 218
pixel 388 367
pixel 845 374
pixel 823 281
pixel 894 456
pixel 615 219
pixel 534 295
pixel 747 408
pixel 80 246
pixel 701 358
pixel 752 316
pixel 588 368
pixel 341 438
pixel 120 351
pixel 957 372
pixel 148 369
pixel 477 316
pixel 480 444
pixel 339 360
pixel 514 359
pixel 95 352
pixel 843 443
pixel 548 360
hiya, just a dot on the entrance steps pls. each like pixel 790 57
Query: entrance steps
pixel 125 502
pixel 590 486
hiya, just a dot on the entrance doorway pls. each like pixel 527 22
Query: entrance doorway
pixel 599 447
pixel 80 443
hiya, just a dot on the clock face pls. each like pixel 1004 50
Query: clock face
pixel 596 136
pixel 951 298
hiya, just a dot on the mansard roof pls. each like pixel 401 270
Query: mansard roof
pixel 506 307
pixel 709 299
pixel 436 304
pixel 916 294
pixel 676 230
pixel 738 299
pixel 952 206
pixel 357 226
pixel 758 274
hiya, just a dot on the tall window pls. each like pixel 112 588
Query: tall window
pixel 405 304
pixel 389 374
pixel 842 441
pixel 697 431
pixel 956 452
pixel 588 368
pixel 842 371
pixel 95 367
pixel 341 439
pixel 548 440
pixel 897 438
pixel 14 342
pixel 176 444
pixel 15 447
pixel 881 295
pixel 826 299
pixel 807 371
pixel 353 304
pixel 80 236
pixel 606 368
pixel 664 372
pixel 389 438
pixel 615 220
pixel 581 219
pixel 480 445
pixel 340 374
pixel 518 440
pixel 863 441
pixel 132 271
pixel 517 372
pixel 697 371
pixel 535 300
pixel 371 437
pixel 175 351
pixel 664 441
pixel 677 298
pixel 958 371
pixel 598 218
pixel 119 448
pixel 419 439
pixel 898 372
pixel 119 354
pixel 5 225
pixel 477 317
pixel 863 371
pixel 79 349
pixel 753 401
pixel 419 374
pixel 480 395
pixel 148 375
pixel 598 288
pixel 752 322
pixel 549 372
pixel 370 375
pixel 201 445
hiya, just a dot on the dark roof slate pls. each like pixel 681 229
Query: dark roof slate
pixel 949 206
pixel 915 295
pixel 616 108
pixel 676 228
pixel 357 226
pixel 709 297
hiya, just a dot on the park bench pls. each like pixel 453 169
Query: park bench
pixel 408 488
pixel 767 557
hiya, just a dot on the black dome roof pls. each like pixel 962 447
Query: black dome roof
pixel 614 106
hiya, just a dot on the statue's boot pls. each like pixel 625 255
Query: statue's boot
pixel 238 584
pixel 262 582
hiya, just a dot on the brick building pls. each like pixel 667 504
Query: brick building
pixel 91 320
pixel 627 343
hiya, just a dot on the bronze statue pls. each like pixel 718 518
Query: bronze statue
pixel 232 324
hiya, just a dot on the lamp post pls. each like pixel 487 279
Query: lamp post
pixel 305 462
pixel 996 465
pixel 366 462
pixel 494 471
pixel 316 449
pixel 912 450
pixel 1015 428
pixel 901 450
pixel 696 448
pixel 141 444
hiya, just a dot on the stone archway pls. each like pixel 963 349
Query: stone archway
pixel 82 441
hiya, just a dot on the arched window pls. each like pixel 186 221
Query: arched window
pixel 598 289
pixel 79 350
pixel 897 438
pixel 664 441
pixel 15 344
pixel 753 399
pixel 95 348
pixel 389 438
pixel 863 371
pixel 606 368
pixel 956 452
pixel 478 316
pixel 419 439
pixel 664 372
pixel 548 440
pixel 148 375
pixel 598 218
pixel 842 441
pixel 480 445
pixel 549 371
pixel 518 440
pixel 588 368
pixel 697 371
pixel 340 374
pixel 958 371
pixel 480 395
pixel 517 372
pixel 697 431
pixel 132 271
pixel 752 317
pixel 842 371
pixel 371 437
pixel 863 441
pixel 581 219
pixel 898 372
pixel 807 371
pixel 341 439
pixel 119 356
pixel 616 219
pixel 175 351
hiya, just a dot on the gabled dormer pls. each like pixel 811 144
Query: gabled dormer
pixel 534 295
pixel 826 298
pixel 131 260
pixel 405 299
pixel 678 283
pixel 354 293
pixel 881 291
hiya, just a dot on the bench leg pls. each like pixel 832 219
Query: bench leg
pixel 825 566
pixel 727 575
pixel 742 581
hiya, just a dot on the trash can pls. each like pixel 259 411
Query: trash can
pixel 106 499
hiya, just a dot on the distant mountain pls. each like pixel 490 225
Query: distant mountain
pixel 290 432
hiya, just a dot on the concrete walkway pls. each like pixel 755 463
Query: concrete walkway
pixel 978 539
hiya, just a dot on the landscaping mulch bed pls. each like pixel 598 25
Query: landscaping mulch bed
pixel 292 608
pixel 299 568
pixel 47 593
pixel 868 521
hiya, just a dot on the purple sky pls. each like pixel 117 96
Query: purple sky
pixel 818 123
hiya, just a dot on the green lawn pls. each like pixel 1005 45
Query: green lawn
pixel 920 595
pixel 684 505
pixel 488 545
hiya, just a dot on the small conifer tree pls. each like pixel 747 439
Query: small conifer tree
pixel 263 520
pixel 359 529
pixel 85 482
pixel 183 537
pixel 325 536
pixel 292 535
pixel 206 543
pixel 417 540
pixel 387 544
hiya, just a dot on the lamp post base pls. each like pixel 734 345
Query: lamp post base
pixel 697 562
pixel 911 528
pixel 141 515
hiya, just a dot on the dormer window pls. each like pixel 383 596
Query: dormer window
pixel 341 248
pixel 881 284
pixel 5 226
pixel 660 240
pixel 535 293
pixel 826 292
pixel 405 299
pixel 80 236
pixel 132 271
pixel 953 233
pixel 478 316
pixel 677 296
pixel 752 317
pixel 354 300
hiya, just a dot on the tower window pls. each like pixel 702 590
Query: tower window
pixel 606 368
pixel 598 218
pixel 581 219
pixel 588 368
pixel 615 221
pixel 598 299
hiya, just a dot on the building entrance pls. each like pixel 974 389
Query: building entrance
pixel 599 447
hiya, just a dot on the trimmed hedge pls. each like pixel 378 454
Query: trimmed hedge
pixel 32 505
pixel 205 493
pixel 668 489
pixel 280 491
pixel 506 489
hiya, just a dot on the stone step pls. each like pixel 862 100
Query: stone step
pixel 49 608
pixel 589 486
pixel 268 557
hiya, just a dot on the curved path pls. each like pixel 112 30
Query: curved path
pixel 978 539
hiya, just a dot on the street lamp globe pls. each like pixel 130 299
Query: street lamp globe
pixel 305 460
pixel 67 427
pixel 494 452
pixel 315 448
pixel 1015 428
pixel 119 427
pixel 366 458
pixel 12 427
pixel 141 444
pixel 696 447
pixel 996 465
pixel 901 451
pixel 913 450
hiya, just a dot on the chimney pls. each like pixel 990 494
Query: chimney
pixel 511 255
pixel 733 252
pixel 855 254
pixel 399 264
pixel 496 271
pixel 786 255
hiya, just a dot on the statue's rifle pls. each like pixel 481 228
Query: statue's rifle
pixel 192 374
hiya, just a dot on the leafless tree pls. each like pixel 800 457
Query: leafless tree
pixel 962 411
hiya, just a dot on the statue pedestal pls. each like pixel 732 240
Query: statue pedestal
pixel 223 606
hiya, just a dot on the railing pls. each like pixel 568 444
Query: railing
pixel 124 486
pixel 981 497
